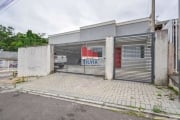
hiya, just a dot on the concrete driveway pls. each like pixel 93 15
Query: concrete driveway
pixel 133 95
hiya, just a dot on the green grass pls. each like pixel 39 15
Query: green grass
pixel 159 95
pixel 158 109
pixel 131 106
pixel 174 90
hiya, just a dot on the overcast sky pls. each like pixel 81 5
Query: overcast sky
pixel 54 16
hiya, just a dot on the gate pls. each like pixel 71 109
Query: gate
pixel 134 58
pixel 81 58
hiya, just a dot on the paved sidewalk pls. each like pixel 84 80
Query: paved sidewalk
pixel 130 94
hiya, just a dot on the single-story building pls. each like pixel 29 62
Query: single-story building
pixel 86 49
pixel 120 51
pixel 90 41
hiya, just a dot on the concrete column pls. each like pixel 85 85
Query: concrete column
pixel 161 58
pixel 50 58
pixel 109 62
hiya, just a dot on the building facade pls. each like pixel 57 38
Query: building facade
pixel 86 49
pixel 95 36
pixel 120 51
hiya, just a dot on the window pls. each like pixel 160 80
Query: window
pixel 93 51
pixel 98 50
pixel 133 51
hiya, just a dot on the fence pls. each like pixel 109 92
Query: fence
pixel 134 57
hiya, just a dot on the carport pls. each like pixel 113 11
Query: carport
pixel 81 57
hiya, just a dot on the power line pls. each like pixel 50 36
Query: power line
pixel 10 5
pixel 5 3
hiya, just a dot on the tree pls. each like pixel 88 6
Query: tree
pixel 9 41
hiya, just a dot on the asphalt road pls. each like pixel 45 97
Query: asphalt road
pixel 21 106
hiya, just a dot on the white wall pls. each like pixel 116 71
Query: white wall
pixel 161 58
pixel 109 62
pixel 68 37
pixel 133 28
pixel 99 32
pixel 35 61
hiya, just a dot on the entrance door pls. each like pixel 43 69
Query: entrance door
pixel 118 55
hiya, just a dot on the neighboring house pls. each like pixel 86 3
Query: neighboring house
pixel 8 59
pixel 173 30
pixel 172 27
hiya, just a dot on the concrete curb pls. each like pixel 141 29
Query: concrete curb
pixel 97 103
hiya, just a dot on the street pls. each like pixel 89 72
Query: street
pixel 21 106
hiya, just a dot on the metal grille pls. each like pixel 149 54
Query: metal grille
pixel 81 58
pixel 134 58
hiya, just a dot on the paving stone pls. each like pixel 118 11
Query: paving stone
pixel 95 88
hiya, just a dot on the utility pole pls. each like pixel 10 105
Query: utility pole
pixel 179 10
pixel 178 42
pixel 153 15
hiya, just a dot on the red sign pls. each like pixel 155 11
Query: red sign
pixel 88 53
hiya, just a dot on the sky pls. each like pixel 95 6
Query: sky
pixel 56 16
